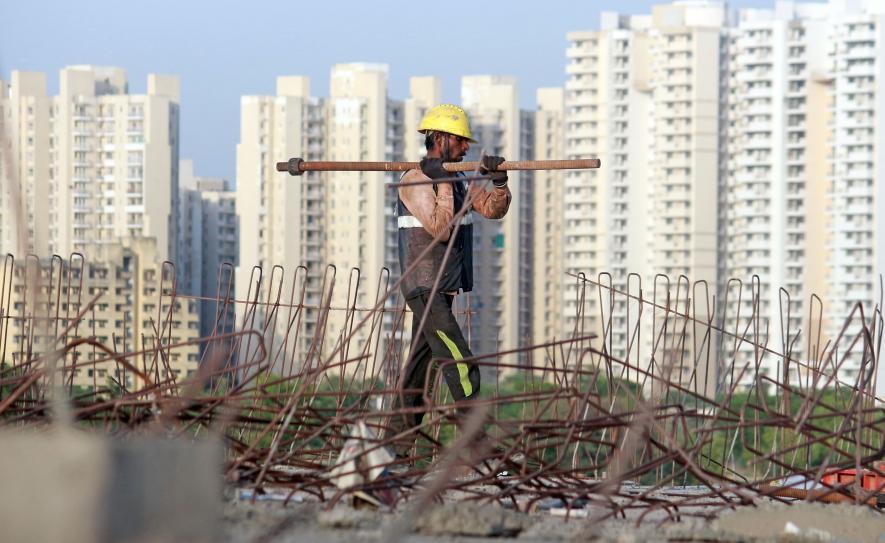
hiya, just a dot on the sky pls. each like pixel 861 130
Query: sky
pixel 222 50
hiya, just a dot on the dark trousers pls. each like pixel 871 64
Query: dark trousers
pixel 440 340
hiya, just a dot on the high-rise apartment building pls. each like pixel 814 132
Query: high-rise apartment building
pixel 802 180
pixel 93 164
pixel 8 212
pixel 134 312
pixel 281 218
pixel 24 164
pixel 777 176
pixel 209 242
pixel 608 114
pixel 643 95
pixel 424 93
pixel 547 220
pixel 344 219
pixel 857 230
pixel 728 151
pixel 501 298
pixel 687 46
pixel 360 221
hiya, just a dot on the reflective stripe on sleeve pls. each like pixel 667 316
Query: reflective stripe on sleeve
pixel 410 221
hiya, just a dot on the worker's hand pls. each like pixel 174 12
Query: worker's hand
pixel 489 166
pixel 433 168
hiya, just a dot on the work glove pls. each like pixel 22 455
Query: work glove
pixel 489 166
pixel 433 168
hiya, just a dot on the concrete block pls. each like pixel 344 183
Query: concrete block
pixel 73 487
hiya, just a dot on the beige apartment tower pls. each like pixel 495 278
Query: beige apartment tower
pixel 777 177
pixel 360 223
pixel 135 312
pixel 341 224
pixel 547 220
pixel 500 301
pixel 424 93
pixel 280 218
pixel 94 164
pixel 803 176
pixel 643 95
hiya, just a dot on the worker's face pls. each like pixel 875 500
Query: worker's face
pixel 454 148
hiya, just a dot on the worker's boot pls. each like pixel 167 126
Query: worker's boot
pixel 403 446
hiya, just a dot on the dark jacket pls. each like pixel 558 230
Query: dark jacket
pixel 425 211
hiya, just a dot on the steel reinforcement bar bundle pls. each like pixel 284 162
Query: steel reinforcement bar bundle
pixel 662 400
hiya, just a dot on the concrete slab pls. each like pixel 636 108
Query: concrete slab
pixel 70 486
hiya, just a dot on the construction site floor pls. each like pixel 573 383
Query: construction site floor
pixel 458 521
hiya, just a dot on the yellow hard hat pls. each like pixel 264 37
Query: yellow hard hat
pixel 447 118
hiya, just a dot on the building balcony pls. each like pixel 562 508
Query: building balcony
pixel 573 84
pixel 582 149
pixel 856 36
pixel 756 109
pixel 853 209
pixel 861 69
pixel 663 95
pixel 799 73
pixel 861 104
pixel 755 126
pixel 855 157
pixel 744 75
pixel 574 68
pixel 584 100
pixel 578 51
pixel 749 215
pixel 856 122
pixel 757 143
pixel 866 88
pixel 859 52
pixel 856 175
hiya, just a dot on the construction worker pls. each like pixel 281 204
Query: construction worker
pixel 425 219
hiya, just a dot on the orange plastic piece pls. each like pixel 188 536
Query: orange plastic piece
pixel 870 480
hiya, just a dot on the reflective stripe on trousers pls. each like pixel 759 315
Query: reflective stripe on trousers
pixel 466 385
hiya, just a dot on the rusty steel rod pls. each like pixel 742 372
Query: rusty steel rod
pixel 589 426
pixel 297 166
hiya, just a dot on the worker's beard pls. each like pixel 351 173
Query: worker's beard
pixel 445 150
pixel 447 154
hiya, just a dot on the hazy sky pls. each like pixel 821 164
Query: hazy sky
pixel 222 49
